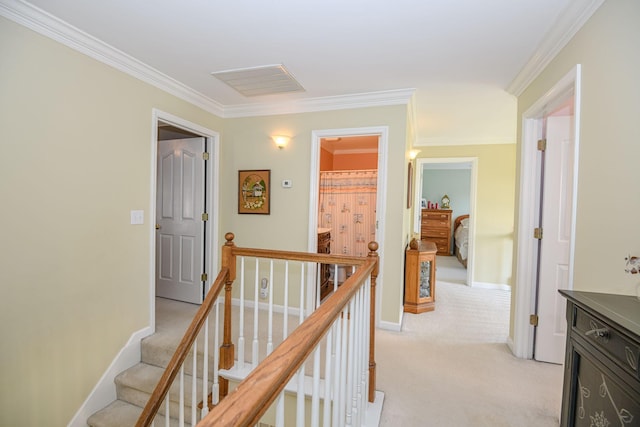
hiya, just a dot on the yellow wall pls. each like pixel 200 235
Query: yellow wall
pixel 76 159
pixel 494 206
pixel 287 227
pixel 609 172
pixel 76 153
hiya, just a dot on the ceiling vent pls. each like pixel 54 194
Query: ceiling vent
pixel 262 80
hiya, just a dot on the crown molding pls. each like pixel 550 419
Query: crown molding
pixel 54 28
pixel 50 26
pixel 327 103
pixel 575 15
pixel 444 141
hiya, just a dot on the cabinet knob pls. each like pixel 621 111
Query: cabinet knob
pixel 598 333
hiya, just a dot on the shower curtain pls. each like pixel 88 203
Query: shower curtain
pixel 348 207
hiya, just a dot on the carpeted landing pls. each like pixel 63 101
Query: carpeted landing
pixel 452 367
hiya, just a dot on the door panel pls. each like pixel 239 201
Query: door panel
pixel 555 245
pixel 179 206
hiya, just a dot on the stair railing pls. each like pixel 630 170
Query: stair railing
pixel 345 319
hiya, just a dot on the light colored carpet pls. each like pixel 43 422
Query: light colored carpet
pixel 452 367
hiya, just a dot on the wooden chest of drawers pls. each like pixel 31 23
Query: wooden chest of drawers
pixel 602 372
pixel 435 226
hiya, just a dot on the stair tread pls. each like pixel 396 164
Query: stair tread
pixel 121 414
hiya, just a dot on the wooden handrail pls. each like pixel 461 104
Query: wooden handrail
pixel 253 396
pixel 170 373
pixel 299 256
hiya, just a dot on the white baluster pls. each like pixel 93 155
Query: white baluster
pixel 167 421
pixel 315 394
pixel 285 319
pixel 349 375
pixel 301 315
pixel 181 399
pixel 270 322
pixel 205 371
pixel 254 360
pixel 241 318
pixel 194 379
pixel 280 410
pixel 215 387
pixel 343 367
pixel 336 372
pixel 300 398
pixel 327 377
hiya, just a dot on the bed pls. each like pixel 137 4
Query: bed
pixel 461 238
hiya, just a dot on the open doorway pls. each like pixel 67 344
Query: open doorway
pixel 184 235
pixel 353 217
pixel 456 178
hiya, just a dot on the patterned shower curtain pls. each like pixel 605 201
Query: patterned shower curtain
pixel 348 208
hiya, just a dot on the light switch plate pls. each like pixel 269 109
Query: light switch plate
pixel 137 217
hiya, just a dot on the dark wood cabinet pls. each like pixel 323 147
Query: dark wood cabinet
pixel 602 376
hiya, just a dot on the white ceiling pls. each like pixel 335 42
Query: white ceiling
pixel 333 48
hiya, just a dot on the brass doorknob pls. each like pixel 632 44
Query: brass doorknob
pixel 157 226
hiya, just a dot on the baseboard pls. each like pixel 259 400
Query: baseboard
pixel 486 285
pixel 390 326
pixel 105 390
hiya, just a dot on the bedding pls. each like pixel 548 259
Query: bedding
pixel 461 238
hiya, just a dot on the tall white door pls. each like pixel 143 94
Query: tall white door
pixel 555 244
pixel 179 223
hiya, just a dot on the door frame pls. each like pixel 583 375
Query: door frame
pixel 382 132
pixel 473 186
pixel 212 180
pixel 527 247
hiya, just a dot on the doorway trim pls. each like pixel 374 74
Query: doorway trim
pixel 212 180
pixel 381 197
pixel 525 289
pixel 473 185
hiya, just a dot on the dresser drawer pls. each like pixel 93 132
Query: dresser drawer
pixel 624 351
pixel 441 216
pixel 429 223
pixel 441 244
pixel 436 232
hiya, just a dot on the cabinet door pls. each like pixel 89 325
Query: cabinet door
pixel 600 397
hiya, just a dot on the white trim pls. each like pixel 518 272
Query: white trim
pixel 527 248
pixel 473 192
pixel 212 196
pixel 56 29
pixel 445 141
pixel 381 200
pixel 390 326
pixel 576 14
pixel 104 391
pixel 327 103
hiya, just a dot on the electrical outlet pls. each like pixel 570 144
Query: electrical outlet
pixel 287 183
pixel 264 288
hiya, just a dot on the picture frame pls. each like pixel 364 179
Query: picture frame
pixel 254 191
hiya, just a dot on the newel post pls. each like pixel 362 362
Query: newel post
pixel 227 349
pixel 373 247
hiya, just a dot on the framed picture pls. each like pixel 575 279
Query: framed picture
pixel 254 192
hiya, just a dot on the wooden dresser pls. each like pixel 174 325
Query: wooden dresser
pixel 601 372
pixel 435 226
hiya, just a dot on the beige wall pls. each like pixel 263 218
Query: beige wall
pixel 494 206
pixel 287 227
pixel 608 198
pixel 76 153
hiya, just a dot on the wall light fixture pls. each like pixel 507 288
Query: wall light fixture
pixel 281 140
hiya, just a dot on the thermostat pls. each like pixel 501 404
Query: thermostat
pixel 287 183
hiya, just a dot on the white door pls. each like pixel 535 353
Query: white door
pixel 179 223
pixel 555 244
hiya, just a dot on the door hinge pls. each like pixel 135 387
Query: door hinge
pixel 205 156
pixel 205 216
pixel 203 277
pixel 542 144
pixel 537 233
pixel 533 320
